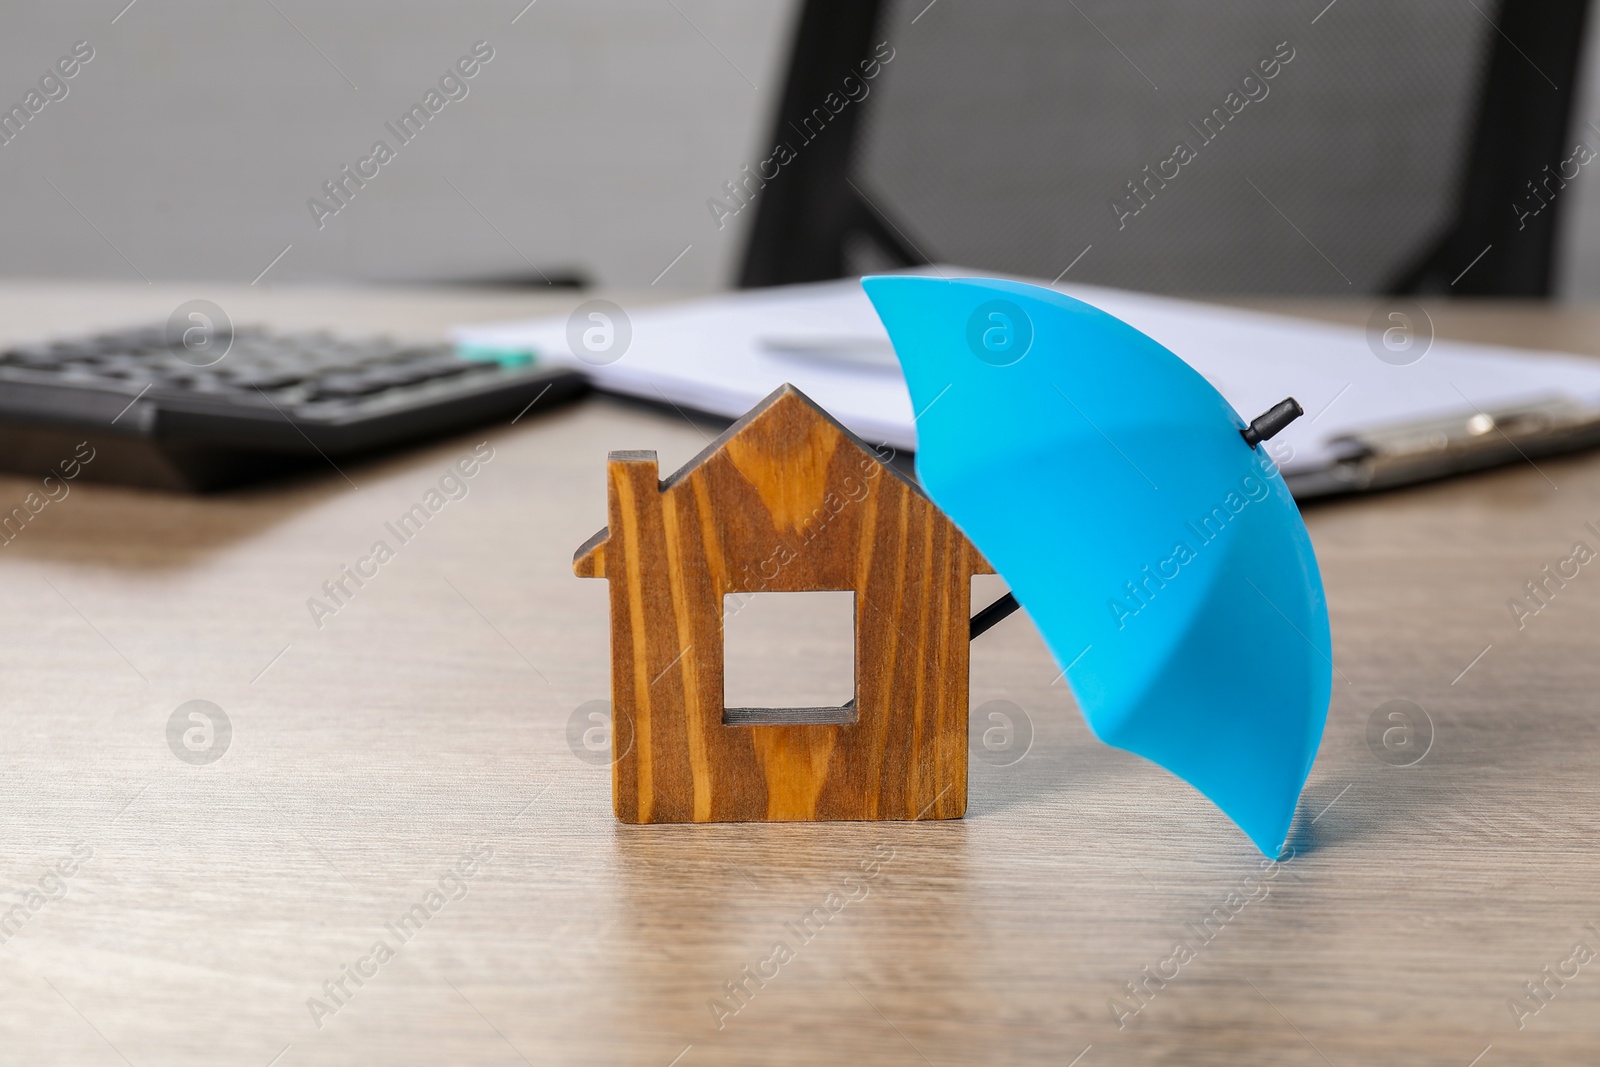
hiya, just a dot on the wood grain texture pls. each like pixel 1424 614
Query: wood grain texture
pixel 433 714
pixel 786 500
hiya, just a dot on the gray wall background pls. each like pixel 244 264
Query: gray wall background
pixel 194 137
pixel 188 147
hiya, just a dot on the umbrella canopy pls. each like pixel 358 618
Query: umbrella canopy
pixel 1156 549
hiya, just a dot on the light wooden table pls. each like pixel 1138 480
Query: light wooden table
pixel 429 718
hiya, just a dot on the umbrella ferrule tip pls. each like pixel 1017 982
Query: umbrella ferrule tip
pixel 1272 422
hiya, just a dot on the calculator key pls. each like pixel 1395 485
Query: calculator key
pixel 262 378
pixel 339 386
pixel 35 357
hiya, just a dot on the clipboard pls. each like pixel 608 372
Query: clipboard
pixel 1386 406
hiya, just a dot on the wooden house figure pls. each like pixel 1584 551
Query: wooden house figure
pixel 786 500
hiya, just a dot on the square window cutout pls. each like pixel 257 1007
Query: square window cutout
pixel 789 658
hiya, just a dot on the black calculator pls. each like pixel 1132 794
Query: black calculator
pixel 160 412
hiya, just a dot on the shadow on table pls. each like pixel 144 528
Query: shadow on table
pixel 763 921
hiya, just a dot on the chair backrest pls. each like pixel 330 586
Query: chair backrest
pixel 1368 146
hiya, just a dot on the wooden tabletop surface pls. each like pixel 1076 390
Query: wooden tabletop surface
pixel 402 775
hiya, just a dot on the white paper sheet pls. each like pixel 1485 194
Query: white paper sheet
pixel 717 355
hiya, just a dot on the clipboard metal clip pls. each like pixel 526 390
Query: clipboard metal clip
pixel 1400 454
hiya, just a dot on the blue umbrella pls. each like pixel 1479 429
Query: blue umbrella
pixel 1134 516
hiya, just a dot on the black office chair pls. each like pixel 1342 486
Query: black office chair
pixel 1400 146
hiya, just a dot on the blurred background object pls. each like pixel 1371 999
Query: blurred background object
pixel 1377 146
pixel 598 141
